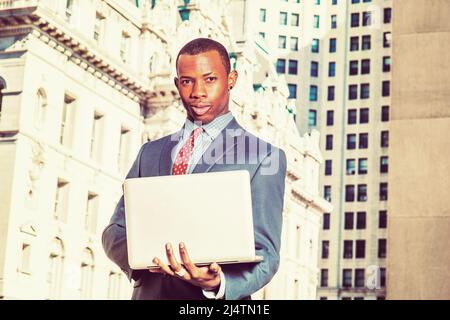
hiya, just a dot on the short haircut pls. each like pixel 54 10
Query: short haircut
pixel 201 45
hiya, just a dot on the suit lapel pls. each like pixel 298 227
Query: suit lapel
pixel 165 160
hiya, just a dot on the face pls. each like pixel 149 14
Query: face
pixel 203 85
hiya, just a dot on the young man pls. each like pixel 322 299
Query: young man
pixel 210 140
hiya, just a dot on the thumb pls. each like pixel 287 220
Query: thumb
pixel 214 268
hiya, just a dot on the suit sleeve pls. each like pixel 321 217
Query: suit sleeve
pixel 242 280
pixel 114 238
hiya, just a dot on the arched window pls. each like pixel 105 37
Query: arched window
pixel 55 269
pixel 40 108
pixel 115 279
pixel 2 88
pixel 87 274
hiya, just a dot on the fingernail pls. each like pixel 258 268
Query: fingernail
pixel 167 246
pixel 155 260
pixel 181 245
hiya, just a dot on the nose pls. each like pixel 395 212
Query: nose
pixel 198 90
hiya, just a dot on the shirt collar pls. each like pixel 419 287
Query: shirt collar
pixel 212 129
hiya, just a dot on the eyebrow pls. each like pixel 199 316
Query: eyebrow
pixel 204 75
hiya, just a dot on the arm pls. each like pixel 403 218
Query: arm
pixel 267 200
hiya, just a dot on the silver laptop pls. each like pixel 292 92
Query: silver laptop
pixel 210 212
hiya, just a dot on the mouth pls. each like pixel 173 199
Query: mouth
pixel 200 109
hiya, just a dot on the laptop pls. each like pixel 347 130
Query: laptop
pixel 210 212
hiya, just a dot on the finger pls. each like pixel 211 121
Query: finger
pixel 174 265
pixel 155 270
pixel 190 267
pixel 163 267
pixel 214 268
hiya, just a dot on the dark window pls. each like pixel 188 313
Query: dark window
pixel 351 166
pixel 387 15
pixel 332 69
pixel 384 164
pixel 327 193
pixel 283 18
pixel 381 248
pixel 349 193
pixel 383 277
pixel 330 96
pixel 293 66
pixel 351 141
pixel 312 93
pixel 362 166
pixel 314 69
pixel 328 167
pixel 353 92
pixel 362 192
pixel 315 46
pixel 360 249
pixel 292 90
pixel 333 45
pixel 366 18
pixel 348 223
pixel 386 64
pixel 382 219
pixel 347 278
pixel 330 117
pixel 325 249
pixel 353 70
pixel 386 90
pixel 354 20
pixel 363 140
pixel 365 43
pixel 333 22
pixel 385 113
pixel 329 142
pixel 386 40
pixel 365 91
pixel 348 249
pixel 360 220
pixel 359 280
pixel 364 115
pixel 384 139
pixel 354 43
pixel 281 65
pixel 324 277
pixel 326 221
pixel 365 66
pixel 383 191
pixel 352 116
pixel 312 118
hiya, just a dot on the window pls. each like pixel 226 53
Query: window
pixel 281 65
pixel 348 249
pixel 122 156
pixel 294 20
pixel 382 219
pixel 386 64
pixel 354 20
pixel 69 10
pixel 40 108
pixel 349 193
pixel 350 166
pixel 353 92
pixel 25 266
pixel 283 18
pixel 333 22
pixel 383 191
pixel 282 42
pixel 383 277
pixel 367 18
pixel 90 220
pixel 365 66
pixel 362 166
pixel 312 119
pixel 325 248
pixel 292 90
pixel 348 222
pixel 329 142
pixel 55 269
pixel 363 140
pixel 365 43
pixel 354 43
pixel 328 167
pixel 65 137
pixel 359 279
pixel 99 28
pixel 314 69
pixel 330 117
pixel 347 278
pixel 381 248
pixel 332 69
pixel 313 93
pixel 315 46
pixel 386 89
pixel 333 45
pixel 87 274
pixel 327 193
pixel 364 115
pixel 316 21
pixel 114 284
pixel 360 248
pixel 324 277
pixel 326 221
pixel 385 113
pixel 2 87
pixel 360 220
pixel 293 66
pixel 386 40
pixel 365 91
pixel 294 44
pixel 351 141
pixel 125 47
pixel 262 35
pixel 61 200
pixel 362 192
pixel 96 136
pixel 384 139
pixel 387 15
pixel 355 1
pixel 262 15
pixel 334 2
pixel 353 69
pixel 384 164
pixel 330 95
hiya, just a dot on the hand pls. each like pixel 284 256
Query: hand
pixel 208 277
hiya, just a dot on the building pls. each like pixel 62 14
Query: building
pixel 419 223
pixel 76 105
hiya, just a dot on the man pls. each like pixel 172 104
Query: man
pixel 211 140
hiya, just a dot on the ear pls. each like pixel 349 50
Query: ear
pixel 232 79
pixel 175 81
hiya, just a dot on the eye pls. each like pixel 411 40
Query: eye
pixel 186 81
pixel 211 79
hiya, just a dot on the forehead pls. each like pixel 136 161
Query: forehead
pixel 202 63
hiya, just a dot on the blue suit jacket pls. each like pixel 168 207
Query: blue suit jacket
pixel 267 167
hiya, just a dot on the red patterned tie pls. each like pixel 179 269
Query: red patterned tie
pixel 181 162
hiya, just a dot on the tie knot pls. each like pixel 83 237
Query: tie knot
pixel 197 132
